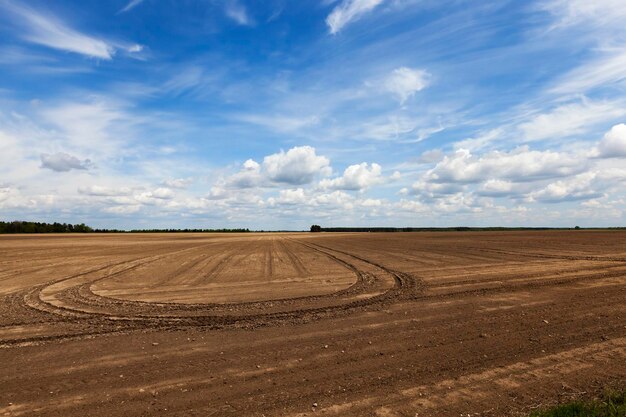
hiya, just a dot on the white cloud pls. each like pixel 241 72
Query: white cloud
pixel 602 22
pixel 430 190
pixel 251 165
pixel 218 193
pixel 299 165
pixel 291 196
pixel 238 13
pixel 131 5
pixel 412 206
pixel 10 197
pixel 134 48
pixel 348 11
pixel 496 188
pixel 607 69
pixel 130 209
pixel 51 32
pixel 63 162
pixel 392 128
pixel 405 82
pixel 100 191
pixel 575 12
pixel 248 177
pixel 356 177
pixel 483 139
pixel 580 187
pixel 521 164
pixel 570 119
pixel 431 156
pixel 613 145
pixel 178 182
pixel 91 126
pixel 281 123
pixel 184 80
pixel 162 193
pixel 336 199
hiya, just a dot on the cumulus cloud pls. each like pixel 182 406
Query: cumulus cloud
pixel 290 196
pixel 348 11
pixel 580 187
pixel 217 193
pixel 162 193
pixel 356 177
pixel 613 145
pixel 520 165
pixel 405 82
pixel 13 198
pixel 63 162
pixel 154 197
pixel 10 197
pixel 130 209
pixel 496 188
pixel 100 191
pixel 248 177
pixel 313 199
pixel 178 182
pixel 524 175
pixel 412 206
pixel 299 165
pixel 432 190
pixel 336 199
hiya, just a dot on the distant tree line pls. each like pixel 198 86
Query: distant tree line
pixel 37 227
pixel 188 231
pixel 316 228
pixel 40 227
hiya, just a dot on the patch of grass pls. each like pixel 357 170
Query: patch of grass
pixel 611 405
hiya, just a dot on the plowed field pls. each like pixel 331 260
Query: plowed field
pixel 368 324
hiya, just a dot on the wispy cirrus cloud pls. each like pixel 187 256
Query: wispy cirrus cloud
pixel 130 5
pixel 238 12
pixel 48 30
pixel 607 69
pixel 348 11
pixel 573 12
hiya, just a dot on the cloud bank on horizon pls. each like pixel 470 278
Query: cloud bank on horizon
pixel 280 114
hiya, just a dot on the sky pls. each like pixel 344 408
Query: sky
pixel 279 114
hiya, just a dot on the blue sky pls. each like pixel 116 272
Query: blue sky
pixel 278 114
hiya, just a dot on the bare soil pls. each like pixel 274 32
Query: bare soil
pixel 369 324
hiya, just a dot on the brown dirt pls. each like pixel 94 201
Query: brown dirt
pixel 405 324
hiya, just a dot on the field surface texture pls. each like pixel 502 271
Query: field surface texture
pixel 369 324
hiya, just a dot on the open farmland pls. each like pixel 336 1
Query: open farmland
pixel 402 324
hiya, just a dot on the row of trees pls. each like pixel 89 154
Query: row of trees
pixel 40 227
pixel 317 228
pixel 189 231
pixel 37 227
